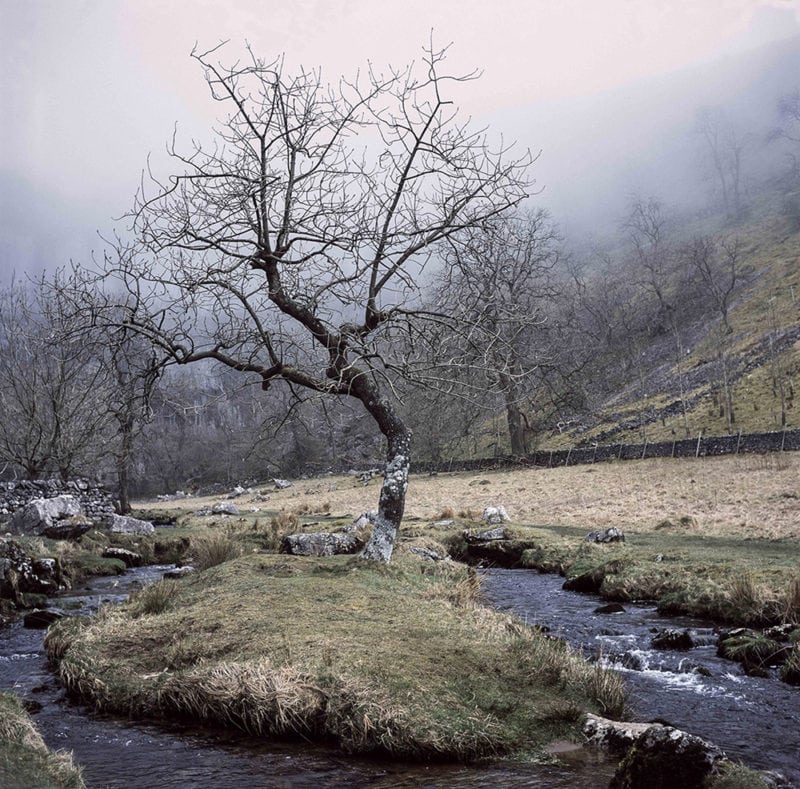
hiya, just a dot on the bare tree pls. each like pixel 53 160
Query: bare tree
pixel 292 248
pixel 726 148
pixel 788 132
pixel 499 283
pixel 718 267
pixel 51 388
pixel 650 231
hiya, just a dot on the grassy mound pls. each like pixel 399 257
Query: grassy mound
pixel 397 659
pixel 24 758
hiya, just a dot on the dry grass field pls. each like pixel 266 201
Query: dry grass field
pixel 755 496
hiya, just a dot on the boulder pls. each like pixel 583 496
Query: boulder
pixel 590 582
pixel 365 477
pixel 225 508
pixel 363 521
pixel 493 515
pixel 790 670
pixel 605 535
pixel 281 484
pixel 20 573
pixel 39 515
pixel 321 544
pixel 427 553
pixel 131 558
pixel 488 535
pixel 68 528
pixel 755 651
pixel 125 524
pixel 610 608
pixel 672 639
pixel 664 758
pixel 616 737
pixel 180 572
pixel 39 619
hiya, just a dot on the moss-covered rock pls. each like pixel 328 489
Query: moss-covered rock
pixel 666 758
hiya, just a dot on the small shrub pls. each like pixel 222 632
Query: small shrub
pixel 448 513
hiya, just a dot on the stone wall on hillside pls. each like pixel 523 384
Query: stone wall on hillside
pixel 96 502
pixel 702 446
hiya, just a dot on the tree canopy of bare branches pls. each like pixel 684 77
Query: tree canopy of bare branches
pixel 292 247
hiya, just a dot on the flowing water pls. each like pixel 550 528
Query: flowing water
pixel 118 753
pixel 755 720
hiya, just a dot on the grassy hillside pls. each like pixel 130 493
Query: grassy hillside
pixel 761 353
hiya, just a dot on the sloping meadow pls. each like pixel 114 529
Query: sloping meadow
pixel 399 659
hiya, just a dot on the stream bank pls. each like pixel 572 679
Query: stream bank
pixel 117 752
pixel 753 719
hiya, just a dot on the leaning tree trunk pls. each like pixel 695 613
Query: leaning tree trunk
pixel 392 501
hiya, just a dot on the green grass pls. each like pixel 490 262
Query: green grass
pixel 25 761
pixel 396 659
pixel 728 579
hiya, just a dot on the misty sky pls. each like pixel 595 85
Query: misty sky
pixel 90 87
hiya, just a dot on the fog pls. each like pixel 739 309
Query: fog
pixel 606 92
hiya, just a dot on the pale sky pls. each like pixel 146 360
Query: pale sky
pixel 89 87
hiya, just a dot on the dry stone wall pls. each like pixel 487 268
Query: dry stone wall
pixel 96 502
pixel 778 441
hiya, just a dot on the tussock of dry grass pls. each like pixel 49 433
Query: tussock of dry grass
pixel 213 550
pixel 24 757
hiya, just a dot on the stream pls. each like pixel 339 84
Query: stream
pixel 755 720
pixel 116 753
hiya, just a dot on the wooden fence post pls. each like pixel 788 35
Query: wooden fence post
pixel 699 438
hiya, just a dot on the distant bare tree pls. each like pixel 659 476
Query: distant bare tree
pixel 650 232
pixel 726 148
pixel 51 388
pixel 718 267
pixel 292 249
pixel 788 131
pixel 499 283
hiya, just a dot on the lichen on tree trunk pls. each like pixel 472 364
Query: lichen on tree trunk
pixel 393 497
